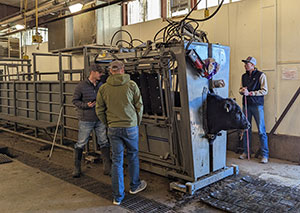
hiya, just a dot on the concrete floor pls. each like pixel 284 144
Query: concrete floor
pixel 276 171
pixel 26 189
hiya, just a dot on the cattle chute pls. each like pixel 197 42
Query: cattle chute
pixel 173 138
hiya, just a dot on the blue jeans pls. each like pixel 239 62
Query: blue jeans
pixel 85 129
pixel 121 138
pixel 258 113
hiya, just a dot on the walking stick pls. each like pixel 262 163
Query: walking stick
pixel 247 132
pixel 55 134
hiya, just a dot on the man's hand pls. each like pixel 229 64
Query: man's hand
pixel 245 91
pixel 91 104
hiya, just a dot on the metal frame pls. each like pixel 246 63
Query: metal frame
pixel 172 133
pixel 27 95
pixel 173 142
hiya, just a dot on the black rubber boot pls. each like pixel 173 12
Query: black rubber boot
pixel 77 157
pixel 106 160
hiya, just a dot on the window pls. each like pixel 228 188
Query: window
pixel 153 9
pixel 135 12
pixel 212 3
pixel 179 7
pixel 27 35
pixel 180 12
pixel 143 10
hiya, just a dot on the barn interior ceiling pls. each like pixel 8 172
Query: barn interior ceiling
pixel 47 10
pixel 18 3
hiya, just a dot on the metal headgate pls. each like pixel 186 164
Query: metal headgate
pixel 173 138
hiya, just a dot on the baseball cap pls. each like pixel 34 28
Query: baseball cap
pixel 96 68
pixel 116 65
pixel 250 59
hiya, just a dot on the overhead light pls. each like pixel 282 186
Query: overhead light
pixel 75 7
pixel 19 27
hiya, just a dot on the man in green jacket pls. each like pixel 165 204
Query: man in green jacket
pixel 119 105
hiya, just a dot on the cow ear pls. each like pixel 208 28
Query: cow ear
pixel 227 106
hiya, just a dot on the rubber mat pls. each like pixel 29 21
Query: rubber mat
pixel 248 194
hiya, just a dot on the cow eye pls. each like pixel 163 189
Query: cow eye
pixel 238 115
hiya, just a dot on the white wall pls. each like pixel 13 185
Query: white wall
pixel 269 30
pixel 51 63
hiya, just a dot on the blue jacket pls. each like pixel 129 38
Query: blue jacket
pixel 86 92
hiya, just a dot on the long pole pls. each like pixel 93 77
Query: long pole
pixel 54 138
pixel 36 17
pixel 247 132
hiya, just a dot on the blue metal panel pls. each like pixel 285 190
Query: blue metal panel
pixel 222 55
pixel 197 91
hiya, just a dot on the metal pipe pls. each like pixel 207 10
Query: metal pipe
pixel 287 108
pixel 51 54
pixel 43 9
pixel 36 17
pixel 36 139
pixel 12 59
pixel 32 12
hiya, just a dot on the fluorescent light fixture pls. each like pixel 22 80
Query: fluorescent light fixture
pixel 75 7
pixel 19 27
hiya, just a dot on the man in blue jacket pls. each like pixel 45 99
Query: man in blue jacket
pixel 253 88
pixel 84 99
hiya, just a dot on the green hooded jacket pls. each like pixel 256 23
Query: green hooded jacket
pixel 119 102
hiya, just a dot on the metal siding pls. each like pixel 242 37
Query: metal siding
pixel 222 55
pixel 197 89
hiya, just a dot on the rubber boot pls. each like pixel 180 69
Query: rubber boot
pixel 106 160
pixel 77 158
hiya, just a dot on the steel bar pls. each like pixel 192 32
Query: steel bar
pixel 55 134
pixel 51 54
pixel 62 99
pixel 288 107
pixel 35 138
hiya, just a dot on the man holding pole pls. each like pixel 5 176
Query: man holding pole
pixel 253 88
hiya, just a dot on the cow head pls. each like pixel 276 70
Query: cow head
pixel 224 114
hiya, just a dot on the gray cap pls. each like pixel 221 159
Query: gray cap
pixel 96 68
pixel 250 59
pixel 116 65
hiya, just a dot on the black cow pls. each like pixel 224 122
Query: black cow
pixel 224 114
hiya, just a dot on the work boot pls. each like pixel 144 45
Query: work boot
pixel 77 158
pixel 106 160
